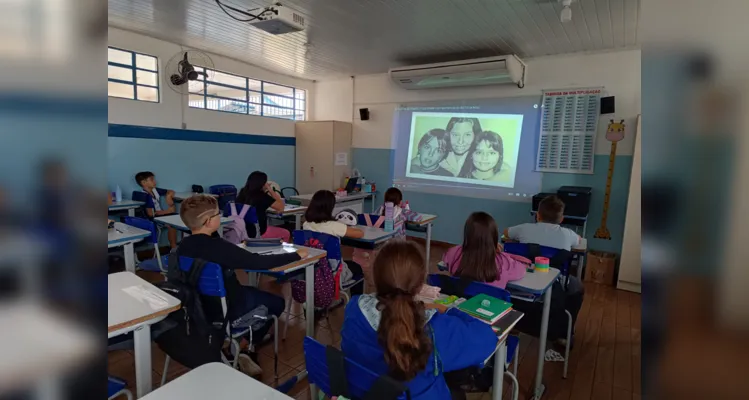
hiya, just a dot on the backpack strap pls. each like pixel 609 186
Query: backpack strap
pixel 243 212
pixel 367 219
pixel 379 222
pixel 193 275
pixel 173 271
pixel 337 372
pixel 386 388
pixel 233 208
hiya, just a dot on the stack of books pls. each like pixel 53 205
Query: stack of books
pixel 486 308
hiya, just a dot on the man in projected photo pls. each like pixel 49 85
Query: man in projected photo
pixel 462 133
pixel 432 150
pixel 485 159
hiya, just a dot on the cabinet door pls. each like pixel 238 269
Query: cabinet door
pixel 314 156
pixel 341 145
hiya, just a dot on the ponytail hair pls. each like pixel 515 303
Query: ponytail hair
pixel 399 274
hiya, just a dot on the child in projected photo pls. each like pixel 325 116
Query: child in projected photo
pixel 432 150
pixel 485 159
pixel 462 134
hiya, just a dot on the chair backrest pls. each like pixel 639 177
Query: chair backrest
pixel 211 282
pixel 225 193
pixel 146 225
pixel 452 285
pixel 331 244
pixel 371 220
pixel 359 379
pixel 139 195
pixel 558 258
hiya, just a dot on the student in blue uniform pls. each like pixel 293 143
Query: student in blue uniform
pixel 393 334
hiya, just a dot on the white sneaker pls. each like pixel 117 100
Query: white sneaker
pixel 247 366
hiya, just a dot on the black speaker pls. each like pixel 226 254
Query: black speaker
pixel 364 114
pixel 607 105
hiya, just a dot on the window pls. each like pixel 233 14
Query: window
pixel 241 95
pixel 132 75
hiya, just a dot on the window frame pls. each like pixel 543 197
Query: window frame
pixel 248 92
pixel 134 69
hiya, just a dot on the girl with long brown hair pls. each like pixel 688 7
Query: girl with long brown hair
pixel 394 334
pixel 480 257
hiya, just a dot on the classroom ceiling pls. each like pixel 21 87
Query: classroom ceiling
pixel 355 37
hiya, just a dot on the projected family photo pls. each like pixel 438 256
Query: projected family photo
pixel 465 148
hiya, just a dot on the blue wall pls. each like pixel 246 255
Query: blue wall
pixel 377 165
pixel 181 158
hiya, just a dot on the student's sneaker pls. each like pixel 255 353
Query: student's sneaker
pixel 248 366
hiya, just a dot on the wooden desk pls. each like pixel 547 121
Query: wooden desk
pixel 134 305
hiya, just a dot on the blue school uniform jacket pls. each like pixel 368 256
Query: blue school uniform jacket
pixel 461 341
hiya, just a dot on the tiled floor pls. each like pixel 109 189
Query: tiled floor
pixel 605 363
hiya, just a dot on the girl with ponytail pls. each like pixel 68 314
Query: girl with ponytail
pixel 393 334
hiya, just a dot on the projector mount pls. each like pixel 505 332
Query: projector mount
pixel 249 14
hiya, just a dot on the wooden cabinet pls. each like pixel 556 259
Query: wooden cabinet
pixel 323 155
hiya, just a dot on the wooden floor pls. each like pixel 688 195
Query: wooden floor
pixel 604 364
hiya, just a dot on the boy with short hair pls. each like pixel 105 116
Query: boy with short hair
pixel 147 181
pixel 200 213
pixel 546 231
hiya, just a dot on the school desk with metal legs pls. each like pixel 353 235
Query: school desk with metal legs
pixel 531 287
pixel 289 210
pixel 129 205
pixel 175 221
pixel 133 305
pixel 425 226
pixel 126 236
pixel 309 276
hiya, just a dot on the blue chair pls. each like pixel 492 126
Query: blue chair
pixel 211 283
pixel 116 388
pixel 225 193
pixel 332 245
pixel 158 263
pixel 359 379
pixel 449 284
pixel 526 250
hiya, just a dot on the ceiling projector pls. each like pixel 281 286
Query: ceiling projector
pixel 278 20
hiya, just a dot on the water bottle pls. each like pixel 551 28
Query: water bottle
pixel 388 226
pixel 118 194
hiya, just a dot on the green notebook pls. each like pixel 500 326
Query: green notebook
pixel 488 313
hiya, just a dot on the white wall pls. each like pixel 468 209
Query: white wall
pixel 173 110
pixel 618 72
pixel 334 100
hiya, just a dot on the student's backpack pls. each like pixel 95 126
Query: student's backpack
pixel 236 230
pixel 326 286
pixel 193 340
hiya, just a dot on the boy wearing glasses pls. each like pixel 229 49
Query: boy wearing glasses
pixel 200 213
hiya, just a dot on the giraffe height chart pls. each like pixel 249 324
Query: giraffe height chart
pixel 569 120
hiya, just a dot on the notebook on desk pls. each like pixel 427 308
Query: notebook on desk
pixel 485 308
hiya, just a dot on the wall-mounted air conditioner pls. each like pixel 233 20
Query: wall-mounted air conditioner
pixel 479 71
